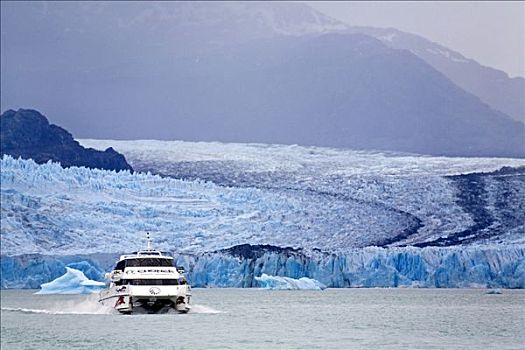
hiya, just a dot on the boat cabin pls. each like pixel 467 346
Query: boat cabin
pixel 147 267
pixel 144 261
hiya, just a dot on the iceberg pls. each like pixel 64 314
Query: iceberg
pixel 72 282
pixel 495 291
pixel 32 270
pixel 287 283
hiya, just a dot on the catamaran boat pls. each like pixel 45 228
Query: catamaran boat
pixel 148 281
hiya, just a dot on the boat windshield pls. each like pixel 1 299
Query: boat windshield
pixel 153 282
pixel 149 262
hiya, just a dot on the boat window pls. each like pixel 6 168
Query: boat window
pixel 120 265
pixel 151 282
pixel 149 262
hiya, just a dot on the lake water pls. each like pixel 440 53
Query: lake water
pixel 263 319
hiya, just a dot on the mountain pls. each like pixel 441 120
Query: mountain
pixel 492 86
pixel 27 134
pixel 243 72
pixel 341 90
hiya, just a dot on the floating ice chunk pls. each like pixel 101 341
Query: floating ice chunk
pixel 494 291
pixel 72 282
pixel 277 282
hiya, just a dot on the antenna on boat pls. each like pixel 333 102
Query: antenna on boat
pixel 149 241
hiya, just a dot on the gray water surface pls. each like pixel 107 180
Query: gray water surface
pixel 263 319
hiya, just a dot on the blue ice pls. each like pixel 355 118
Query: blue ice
pixel 287 283
pixel 72 282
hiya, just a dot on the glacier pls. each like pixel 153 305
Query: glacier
pixel 231 213
pixel 78 210
pixel 287 283
pixel 72 282
pixel 431 200
pixel 72 211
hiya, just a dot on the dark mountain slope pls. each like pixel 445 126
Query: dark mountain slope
pixel 340 90
pixel 27 133
pixel 492 86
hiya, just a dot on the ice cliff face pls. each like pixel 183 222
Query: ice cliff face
pixel 474 266
pixel 369 267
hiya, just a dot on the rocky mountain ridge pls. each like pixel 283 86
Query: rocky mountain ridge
pixel 27 134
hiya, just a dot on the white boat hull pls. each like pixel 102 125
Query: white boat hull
pixel 147 299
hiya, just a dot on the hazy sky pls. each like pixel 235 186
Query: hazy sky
pixel 492 33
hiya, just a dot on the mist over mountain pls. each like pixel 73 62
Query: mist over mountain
pixel 492 86
pixel 243 72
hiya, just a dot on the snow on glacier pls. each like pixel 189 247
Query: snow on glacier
pixel 78 210
pixel 399 183
pixel 286 283
pixel 322 160
pixel 72 282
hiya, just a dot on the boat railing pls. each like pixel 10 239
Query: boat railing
pixel 143 254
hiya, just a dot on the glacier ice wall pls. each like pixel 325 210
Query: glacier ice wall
pixel 476 266
pixel 434 267
pixel 33 270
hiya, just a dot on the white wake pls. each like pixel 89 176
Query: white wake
pixel 203 309
pixel 88 306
